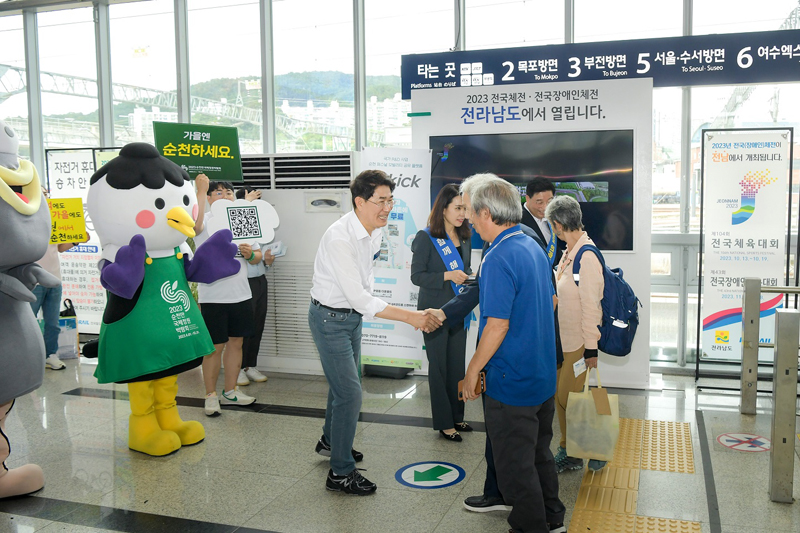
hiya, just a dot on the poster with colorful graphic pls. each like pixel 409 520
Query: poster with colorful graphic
pixel 745 200
pixel 386 342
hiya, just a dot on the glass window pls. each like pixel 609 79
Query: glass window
pixel 733 16
pixel 69 78
pixel 387 29
pixel 13 96
pixel 143 69
pixel 313 43
pixel 225 67
pixel 505 24
pixel 616 20
pixel 666 160
pixel 660 264
pixel 664 326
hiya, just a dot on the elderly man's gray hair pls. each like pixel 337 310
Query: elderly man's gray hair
pixel 566 211
pixel 502 199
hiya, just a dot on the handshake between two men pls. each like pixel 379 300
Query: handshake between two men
pixel 428 320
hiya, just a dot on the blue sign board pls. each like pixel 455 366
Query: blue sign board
pixel 720 59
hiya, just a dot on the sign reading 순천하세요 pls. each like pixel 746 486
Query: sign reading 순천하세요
pixel 201 149
pixel 430 475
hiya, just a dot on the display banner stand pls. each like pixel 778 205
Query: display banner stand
pixel 68 173
pixel 745 232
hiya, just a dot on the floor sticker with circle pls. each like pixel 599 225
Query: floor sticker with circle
pixel 430 475
pixel 744 442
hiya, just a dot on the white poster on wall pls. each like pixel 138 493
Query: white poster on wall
pixel 386 342
pixel 68 174
pixel 745 201
pixel 565 132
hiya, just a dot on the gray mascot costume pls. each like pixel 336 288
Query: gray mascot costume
pixel 24 235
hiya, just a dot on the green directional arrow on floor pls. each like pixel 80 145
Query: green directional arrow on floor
pixel 432 474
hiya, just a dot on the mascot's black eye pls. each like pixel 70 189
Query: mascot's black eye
pixel 185 200
pixel 160 203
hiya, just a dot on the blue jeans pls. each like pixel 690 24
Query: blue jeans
pixel 49 300
pixel 338 339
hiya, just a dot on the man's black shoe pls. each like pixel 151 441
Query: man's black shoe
pixel 323 448
pixel 557 528
pixel 482 504
pixel 353 483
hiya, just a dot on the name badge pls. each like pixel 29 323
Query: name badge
pixel 579 367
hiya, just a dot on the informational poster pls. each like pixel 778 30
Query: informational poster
pixel 386 342
pixel 68 175
pixel 201 149
pixel 745 186
pixel 103 156
pixel 67 220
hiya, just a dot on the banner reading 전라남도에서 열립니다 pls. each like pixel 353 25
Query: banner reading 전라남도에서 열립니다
pixel 745 183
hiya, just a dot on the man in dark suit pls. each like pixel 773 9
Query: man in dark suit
pixel 454 312
pixel 538 194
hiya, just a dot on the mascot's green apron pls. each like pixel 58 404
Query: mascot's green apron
pixel 165 328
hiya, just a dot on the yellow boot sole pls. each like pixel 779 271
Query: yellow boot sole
pixel 145 436
pixel 189 431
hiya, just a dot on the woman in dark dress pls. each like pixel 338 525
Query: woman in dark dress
pixel 439 267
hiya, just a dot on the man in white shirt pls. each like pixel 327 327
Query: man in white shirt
pixel 341 295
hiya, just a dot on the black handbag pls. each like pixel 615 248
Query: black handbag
pixel 69 310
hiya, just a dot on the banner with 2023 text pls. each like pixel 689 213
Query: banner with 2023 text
pixel 386 342
pixel 745 201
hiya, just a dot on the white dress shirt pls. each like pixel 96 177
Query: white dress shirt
pixel 544 226
pixel 343 267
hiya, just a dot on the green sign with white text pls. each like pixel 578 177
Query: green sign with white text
pixel 201 149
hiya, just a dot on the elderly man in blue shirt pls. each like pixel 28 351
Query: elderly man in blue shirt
pixel 517 300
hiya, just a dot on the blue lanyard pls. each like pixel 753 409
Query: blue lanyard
pixel 551 246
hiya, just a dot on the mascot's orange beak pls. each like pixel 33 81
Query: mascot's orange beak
pixel 178 218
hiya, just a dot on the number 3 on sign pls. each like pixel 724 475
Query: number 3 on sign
pixel 575 65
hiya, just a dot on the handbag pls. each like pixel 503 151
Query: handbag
pixel 592 422
pixel 68 338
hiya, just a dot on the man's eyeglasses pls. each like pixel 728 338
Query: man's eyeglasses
pixel 386 204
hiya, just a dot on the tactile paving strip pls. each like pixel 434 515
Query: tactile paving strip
pixel 584 521
pixel 612 477
pixel 647 524
pixel 607 499
pixel 667 447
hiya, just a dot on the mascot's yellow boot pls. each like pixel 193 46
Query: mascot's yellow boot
pixel 166 389
pixel 18 481
pixel 144 433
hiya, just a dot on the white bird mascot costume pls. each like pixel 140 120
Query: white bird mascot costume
pixel 143 207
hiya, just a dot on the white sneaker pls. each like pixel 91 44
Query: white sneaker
pixel 212 407
pixel 242 380
pixel 236 398
pixel 254 375
pixel 54 363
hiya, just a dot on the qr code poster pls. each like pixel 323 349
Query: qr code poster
pixel 250 222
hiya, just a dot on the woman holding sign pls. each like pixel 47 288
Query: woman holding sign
pixel 439 267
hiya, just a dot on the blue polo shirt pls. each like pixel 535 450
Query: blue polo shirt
pixel 515 285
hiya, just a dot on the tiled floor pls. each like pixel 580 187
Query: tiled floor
pixel 257 470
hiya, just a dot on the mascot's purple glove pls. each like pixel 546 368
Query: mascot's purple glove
pixel 214 259
pixel 124 276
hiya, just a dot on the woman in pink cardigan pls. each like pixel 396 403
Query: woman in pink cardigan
pixel 579 314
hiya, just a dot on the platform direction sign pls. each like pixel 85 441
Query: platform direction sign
pixel 744 442
pixel 430 475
